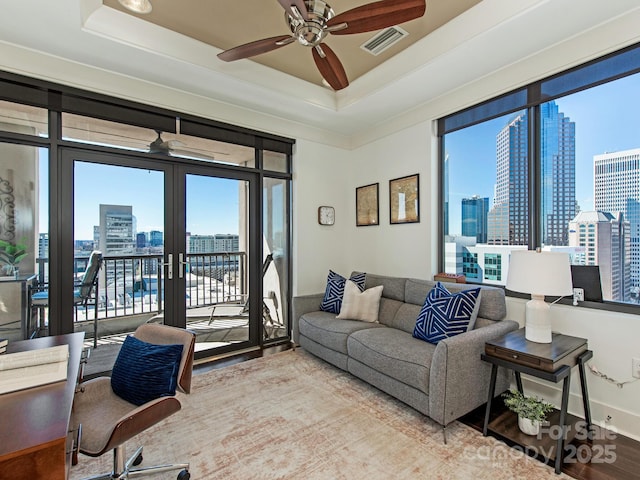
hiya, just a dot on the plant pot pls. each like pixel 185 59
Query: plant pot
pixel 530 427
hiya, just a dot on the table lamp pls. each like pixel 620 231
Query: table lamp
pixel 539 274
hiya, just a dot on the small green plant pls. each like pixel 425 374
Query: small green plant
pixel 533 408
pixel 11 254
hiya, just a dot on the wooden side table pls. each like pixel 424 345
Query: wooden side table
pixel 548 361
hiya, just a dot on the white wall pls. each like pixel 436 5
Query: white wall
pixel 320 177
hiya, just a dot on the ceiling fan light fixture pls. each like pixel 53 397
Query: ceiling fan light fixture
pixel 137 6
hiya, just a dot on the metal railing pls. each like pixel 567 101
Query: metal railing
pixel 134 284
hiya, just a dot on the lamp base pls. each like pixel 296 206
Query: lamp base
pixel 537 320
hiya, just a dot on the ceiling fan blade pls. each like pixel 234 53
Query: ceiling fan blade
pixel 299 4
pixel 330 67
pixel 255 48
pixel 378 15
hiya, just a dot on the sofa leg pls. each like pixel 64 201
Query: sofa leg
pixel 444 433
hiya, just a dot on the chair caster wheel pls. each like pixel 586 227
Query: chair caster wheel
pixel 137 461
pixel 184 475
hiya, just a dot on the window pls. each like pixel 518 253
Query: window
pixel 555 165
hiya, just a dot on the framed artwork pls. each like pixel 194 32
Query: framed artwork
pixel 367 206
pixel 404 199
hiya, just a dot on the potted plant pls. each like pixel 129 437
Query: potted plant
pixel 531 411
pixel 11 254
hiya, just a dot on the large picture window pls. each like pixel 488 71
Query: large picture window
pixel 556 168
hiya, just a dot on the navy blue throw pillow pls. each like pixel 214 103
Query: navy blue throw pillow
pixel 145 371
pixel 443 316
pixel 332 301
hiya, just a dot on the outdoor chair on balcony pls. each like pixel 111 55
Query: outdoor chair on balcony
pixel 269 325
pixel 85 294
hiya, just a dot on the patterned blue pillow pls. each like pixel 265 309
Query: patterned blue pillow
pixel 445 315
pixel 144 371
pixel 332 301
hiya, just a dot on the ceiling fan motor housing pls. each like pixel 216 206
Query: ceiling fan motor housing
pixel 311 32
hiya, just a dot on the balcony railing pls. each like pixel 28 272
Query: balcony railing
pixel 131 285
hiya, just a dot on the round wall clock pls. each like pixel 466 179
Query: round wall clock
pixel 326 215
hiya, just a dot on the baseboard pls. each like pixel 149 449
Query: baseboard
pixel 617 420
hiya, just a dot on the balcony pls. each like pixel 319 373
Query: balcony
pixel 131 292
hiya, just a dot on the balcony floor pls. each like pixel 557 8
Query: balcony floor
pixel 220 332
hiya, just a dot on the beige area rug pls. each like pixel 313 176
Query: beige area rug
pixel 292 416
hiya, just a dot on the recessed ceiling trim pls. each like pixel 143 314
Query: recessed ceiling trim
pixel 384 40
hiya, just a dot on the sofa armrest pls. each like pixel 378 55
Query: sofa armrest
pixel 459 379
pixel 300 305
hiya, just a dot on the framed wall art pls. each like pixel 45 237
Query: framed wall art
pixel 404 200
pixel 367 206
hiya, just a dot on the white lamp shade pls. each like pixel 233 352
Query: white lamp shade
pixel 540 273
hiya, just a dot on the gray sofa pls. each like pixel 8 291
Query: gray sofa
pixel 443 381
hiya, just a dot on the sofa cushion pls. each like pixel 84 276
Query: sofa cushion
pixel 357 305
pixel 404 319
pixel 444 316
pixel 334 291
pixel 324 328
pixel 394 353
pixel 393 286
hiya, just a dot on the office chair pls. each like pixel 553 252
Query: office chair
pixel 106 420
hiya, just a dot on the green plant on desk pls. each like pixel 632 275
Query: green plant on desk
pixel 533 408
pixel 11 254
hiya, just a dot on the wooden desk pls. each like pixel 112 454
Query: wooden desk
pixel 35 421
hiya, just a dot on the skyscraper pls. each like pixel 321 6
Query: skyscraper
pixel 605 241
pixel 558 174
pixel 156 238
pixel 508 219
pixel 617 189
pixel 474 217
pixel 117 227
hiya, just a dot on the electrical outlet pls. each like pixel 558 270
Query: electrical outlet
pixel 635 367
pixel 578 294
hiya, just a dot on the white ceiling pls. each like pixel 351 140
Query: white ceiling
pixel 489 36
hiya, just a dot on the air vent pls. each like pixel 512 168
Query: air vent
pixel 383 40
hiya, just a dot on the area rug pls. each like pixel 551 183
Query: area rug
pixel 292 416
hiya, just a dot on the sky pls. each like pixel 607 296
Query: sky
pixel 212 203
pixel 606 119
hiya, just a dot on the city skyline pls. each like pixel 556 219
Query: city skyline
pixel 601 127
pixel 143 190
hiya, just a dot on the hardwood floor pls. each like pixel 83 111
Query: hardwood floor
pixel 613 456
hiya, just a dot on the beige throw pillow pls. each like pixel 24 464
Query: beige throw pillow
pixel 357 305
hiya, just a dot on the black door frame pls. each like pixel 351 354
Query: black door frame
pixel 175 170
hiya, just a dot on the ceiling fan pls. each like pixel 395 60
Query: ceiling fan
pixel 310 21
pixel 176 148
